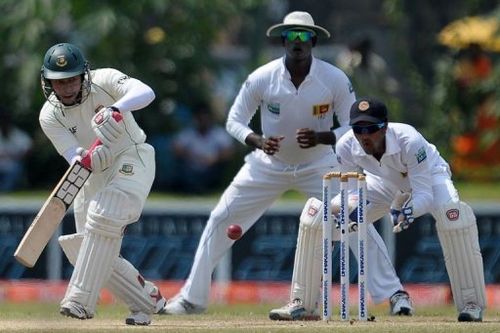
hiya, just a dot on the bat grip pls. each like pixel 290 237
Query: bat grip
pixel 86 159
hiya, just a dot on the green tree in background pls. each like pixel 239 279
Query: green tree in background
pixel 164 43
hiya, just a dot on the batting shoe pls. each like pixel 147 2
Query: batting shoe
pixel 180 306
pixel 401 304
pixel 471 312
pixel 138 318
pixel 74 310
pixel 293 311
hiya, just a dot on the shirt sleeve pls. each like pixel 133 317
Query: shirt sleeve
pixel 415 155
pixel 344 156
pixel 58 135
pixel 243 109
pixel 130 94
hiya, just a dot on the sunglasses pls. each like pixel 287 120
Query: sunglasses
pixel 367 129
pixel 303 36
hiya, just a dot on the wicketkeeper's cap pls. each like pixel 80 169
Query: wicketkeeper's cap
pixel 297 20
pixel 368 109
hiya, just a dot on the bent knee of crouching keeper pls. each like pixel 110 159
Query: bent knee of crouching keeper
pixel 311 214
pixel 454 215
pixel 111 211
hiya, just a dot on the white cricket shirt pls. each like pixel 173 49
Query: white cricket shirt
pixel 70 127
pixel 408 163
pixel 284 109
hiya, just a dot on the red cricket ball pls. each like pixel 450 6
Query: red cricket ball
pixel 234 232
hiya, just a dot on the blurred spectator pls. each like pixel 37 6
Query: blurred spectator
pixel 15 144
pixel 366 69
pixel 202 152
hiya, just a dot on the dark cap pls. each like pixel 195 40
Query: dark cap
pixel 368 109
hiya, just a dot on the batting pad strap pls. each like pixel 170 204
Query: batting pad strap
pixel 306 279
pixel 70 245
pixel 127 284
pixel 458 235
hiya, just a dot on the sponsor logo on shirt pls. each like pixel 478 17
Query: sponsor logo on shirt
pixel 274 108
pixel 421 155
pixel 122 79
pixel 320 109
pixel 72 129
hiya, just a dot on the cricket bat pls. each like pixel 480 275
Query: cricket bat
pixel 55 207
pixel 52 212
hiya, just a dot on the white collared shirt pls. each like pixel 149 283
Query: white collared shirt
pixel 408 163
pixel 283 108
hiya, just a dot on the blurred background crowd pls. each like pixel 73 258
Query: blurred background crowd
pixel 436 65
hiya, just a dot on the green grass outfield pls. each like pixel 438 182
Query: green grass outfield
pixel 236 318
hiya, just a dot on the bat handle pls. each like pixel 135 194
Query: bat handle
pixel 86 160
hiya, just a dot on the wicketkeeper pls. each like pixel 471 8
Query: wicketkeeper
pixel 407 177
pixel 81 106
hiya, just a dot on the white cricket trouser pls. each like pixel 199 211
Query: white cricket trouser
pixel 254 189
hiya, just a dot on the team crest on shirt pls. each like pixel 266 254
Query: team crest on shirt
pixel 127 169
pixel 320 110
pixel 274 108
pixel 421 155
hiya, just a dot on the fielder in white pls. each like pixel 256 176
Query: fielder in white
pixel 399 163
pixel 298 96
pixel 81 106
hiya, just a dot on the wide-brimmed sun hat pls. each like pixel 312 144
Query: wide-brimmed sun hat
pixel 297 20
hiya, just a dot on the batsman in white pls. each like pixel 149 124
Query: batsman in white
pixel 407 177
pixel 81 106
pixel 298 96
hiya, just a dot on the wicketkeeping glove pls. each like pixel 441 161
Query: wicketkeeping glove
pixel 402 212
pixel 106 126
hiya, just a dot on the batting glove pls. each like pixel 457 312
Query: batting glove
pixel 101 158
pixel 106 126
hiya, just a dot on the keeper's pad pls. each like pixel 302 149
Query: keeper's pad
pixel 457 231
pixel 306 279
pixel 125 281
